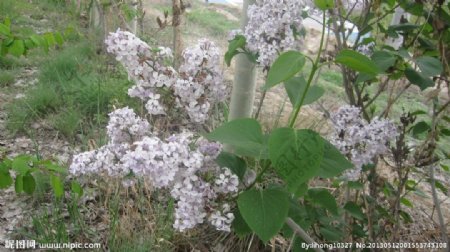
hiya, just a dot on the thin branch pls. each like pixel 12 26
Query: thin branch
pixel 301 233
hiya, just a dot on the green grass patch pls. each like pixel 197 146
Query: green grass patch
pixel 215 23
pixel 7 78
pixel 73 92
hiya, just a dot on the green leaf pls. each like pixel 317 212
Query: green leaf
pixel 5 30
pixel 324 4
pixel 20 164
pixel 29 184
pixel 331 233
pixel 429 66
pixel 301 190
pixel 76 188
pixel 357 62
pixel 406 202
pixel 50 38
pixel 406 27
pixel 354 210
pixel 58 187
pixel 59 38
pixel 236 164
pixel 405 216
pixel 333 162
pixel 383 59
pixel 239 225
pixel 37 40
pixel 420 128
pixel 243 135
pixel 233 46
pixel 285 67
pixel 17 48
pixel 355 185
pixel 441 187
pixel 264 211
pixel 445 132
pixel 296 155
pixel 5 177
pixel 295 87
pixel 418 79
pixel 19 184
pixel 323 198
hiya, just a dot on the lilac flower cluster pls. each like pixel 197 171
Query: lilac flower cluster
pixel 200 82
pixel 197 86
pixel 145 66
pixel 358 140
pixel 271 26
pixel 187 169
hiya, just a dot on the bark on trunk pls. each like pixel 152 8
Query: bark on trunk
pixel 177 40
pixel 243 92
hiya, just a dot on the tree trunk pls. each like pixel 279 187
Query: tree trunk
pixel 243 92
pixel 133 22
pixel 396 42
pixel 177 40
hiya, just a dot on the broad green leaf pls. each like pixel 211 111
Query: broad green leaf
pixel 20 164
pixel 236 164
pixel 29 43
pixel 57 185
pixel 324 4
pixel 333 162
pixel 296 155
pixel 29 184
pixel 285 67
pixel 406 202
pixel 37 40
pixel 233 46
pixel 50 38
pixel 357 62
pixel 301 190
pixel 239 225
pixel 243 135
pixel 323 198
pixel 5 177
pixel 56 168
pixel 17 48
pixel 76 188
pixel 19 184
pixel 264 211
pixel 420 127
pixel 4 30
pixel 59 38
pixel 418 79
pixel 295 87
pixel 445 132
pixel 331 233
pixel 354 210
pixel 383 59
pixel 429 66
pixel 299 215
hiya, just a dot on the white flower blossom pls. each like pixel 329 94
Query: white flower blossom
pixel 125 126
pixel 222 219
pixel 358 140
pixel 271 26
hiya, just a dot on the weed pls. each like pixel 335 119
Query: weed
pixel 67 122
pixel 73 79
pixel 215 23
pixel 6 78
pixel 10 62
